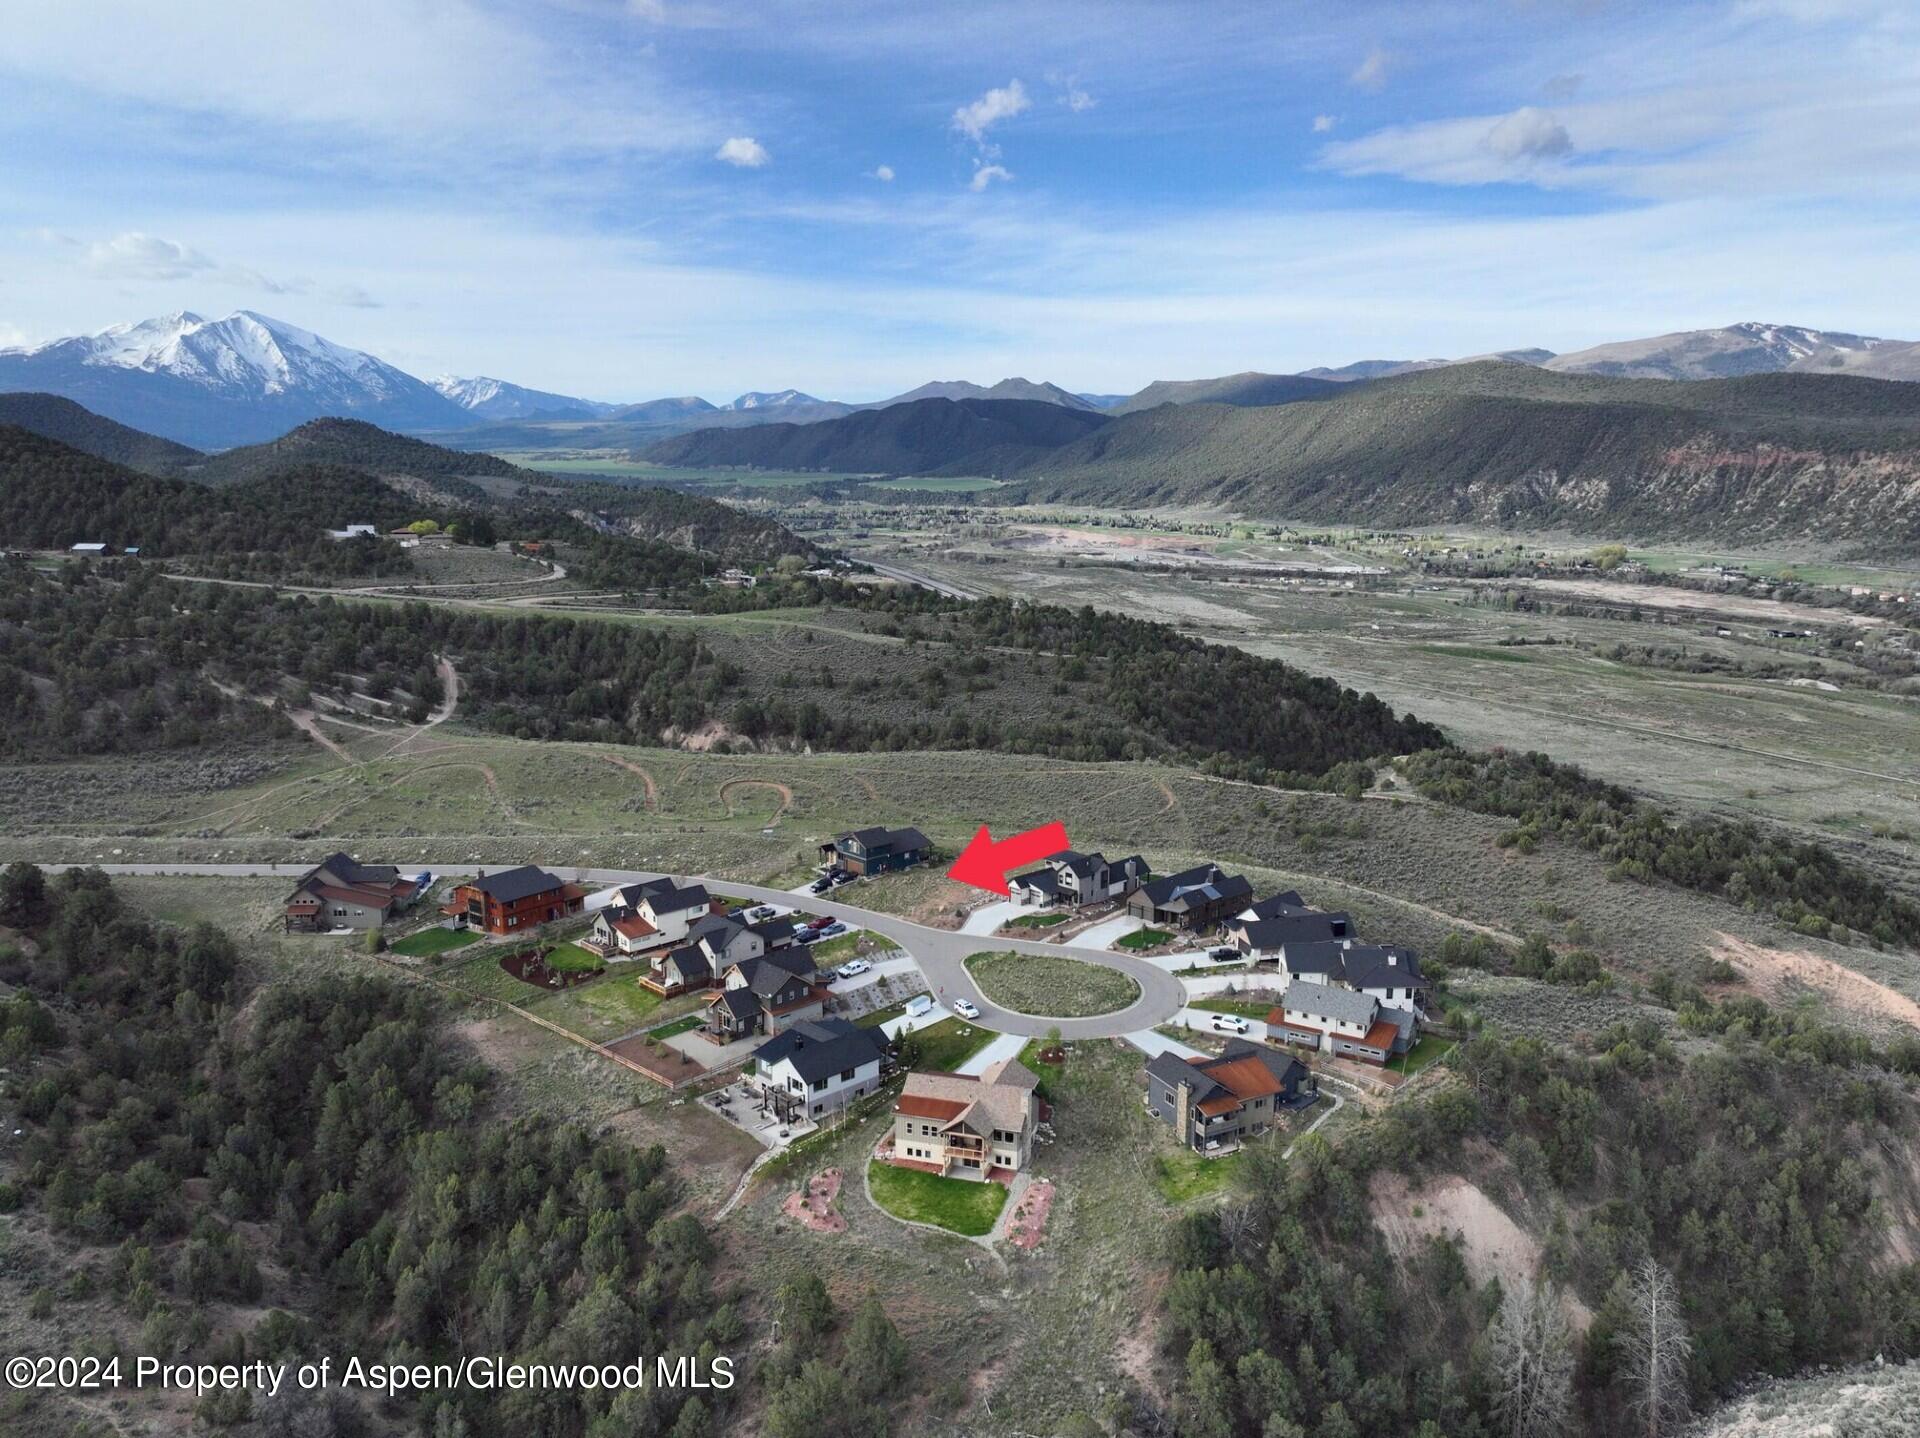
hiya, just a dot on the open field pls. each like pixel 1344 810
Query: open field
pixel 1410 871
pixel 1841 762
pixel 1055 988
pixel 948 1044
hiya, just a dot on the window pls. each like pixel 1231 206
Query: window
pixel 819 1084
pixel 846 1076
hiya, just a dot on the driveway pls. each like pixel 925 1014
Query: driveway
pixel 1007 1046
pixel 1106 935
pixel 986 919
pixel 940 953
pixel 1202 1019
pixel 1152 1045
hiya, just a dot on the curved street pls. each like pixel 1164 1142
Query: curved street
pixel 940 953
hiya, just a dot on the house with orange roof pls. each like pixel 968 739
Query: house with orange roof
pixel 1216 1103
pixel 965 1126
pixel 1342 1022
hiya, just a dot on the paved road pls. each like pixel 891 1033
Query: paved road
pixel 925 581
pixel 940 953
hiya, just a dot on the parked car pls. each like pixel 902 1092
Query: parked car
pixel 854 969
pixel 806 936
pixel 815 925
pixel 820 885
pixel 843 877
pixel 760 911
pixel 1224 954
pixel 833 930
pixel 1229 1024
pixel 919 1004
pixel 966 1008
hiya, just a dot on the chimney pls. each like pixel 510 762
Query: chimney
pixel 1393 959
pixel 1183 1111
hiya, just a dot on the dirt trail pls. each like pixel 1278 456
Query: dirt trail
pixel 1770 970
pixel 1166 792
pixel 653 789
pixel 784 791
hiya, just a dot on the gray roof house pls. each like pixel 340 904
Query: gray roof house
pixel 819 1065
pixel 1195 899
pixel 876 850
pixel 1342 1022
pixel 1075 878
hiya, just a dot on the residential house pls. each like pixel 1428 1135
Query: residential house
pixel 818 1066
pixel 514 899
pixel 1287 901
pixel 1389 974
pixel 1342 1022
pixel 680 970
pixel 1216 1102
pixel 1193 900
pixel 765 995
pixel 648 916
pixel 1075 879
pixel 969 1127
pixel 342 893
pixel 1276 936
pixel 876 850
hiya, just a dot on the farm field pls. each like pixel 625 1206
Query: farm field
pixel 1839 761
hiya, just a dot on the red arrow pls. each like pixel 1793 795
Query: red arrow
pixel 984 864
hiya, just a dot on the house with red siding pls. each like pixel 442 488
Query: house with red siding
pixel 515 899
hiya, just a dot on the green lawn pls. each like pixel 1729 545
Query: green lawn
pixel 1049 1074
pixel 1036 921
pixel 606 1008
pixel 1427 1049
pixel 428 942
pixel 572 959
pixel 1051 987
pixel 1143 939
pixel 955 1204
pixel 828 953
pixel 678 1026
pixel 948 1044
pixel 1184 1176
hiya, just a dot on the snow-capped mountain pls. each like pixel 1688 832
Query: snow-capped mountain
pixel 780 399
pixel 490 399
pixel 1748 348
pixel 239 379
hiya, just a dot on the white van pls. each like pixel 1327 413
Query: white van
pixel 919 1004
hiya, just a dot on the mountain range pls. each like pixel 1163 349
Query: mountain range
pixel 1769 456
pixel 247 378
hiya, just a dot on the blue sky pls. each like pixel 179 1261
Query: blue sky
pixel 629 198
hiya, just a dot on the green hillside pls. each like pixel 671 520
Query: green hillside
pixel 974 436
pixel 351 442
pixel 1760 457
pixel 79 427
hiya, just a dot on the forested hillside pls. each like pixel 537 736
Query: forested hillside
pixel 1123 688
pixel 975 436
pixel 303 1184
pixel 52 496
pixel 80 428
pixel 1769 456
pixel 1248 388
pixel 1702 1220
pixel 353 443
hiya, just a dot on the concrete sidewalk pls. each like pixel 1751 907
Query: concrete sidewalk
pixel 1007 1046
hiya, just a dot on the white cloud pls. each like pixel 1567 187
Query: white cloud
pixel 883 173
pixel 1322 124
pixel 985 175
pixel 136 255
pixel 1370 73
pixel 744 151
pixel 353 297
pixel 1075 98
pixel 1001 103
pixel 1528 134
